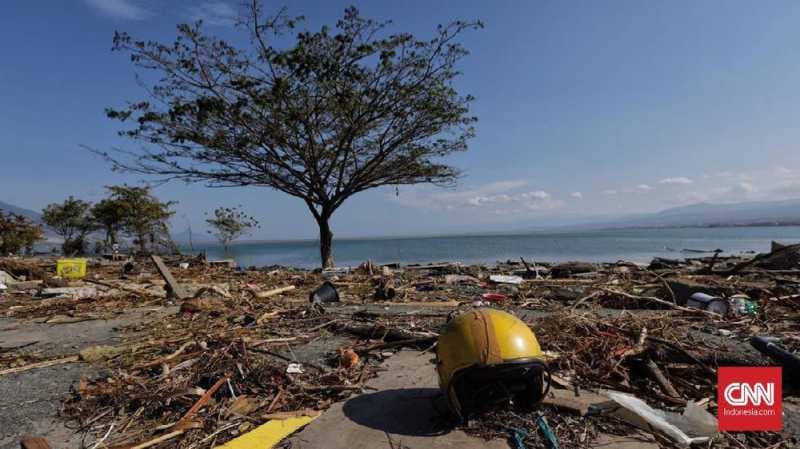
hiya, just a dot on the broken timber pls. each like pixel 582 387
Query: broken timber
pixel 173 288
pixel 34 443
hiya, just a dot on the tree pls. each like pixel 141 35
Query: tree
pixel 230 223
pixel 110 214
pixel 329 115
pixel 144 216
pixel 72 221
pixel 18 233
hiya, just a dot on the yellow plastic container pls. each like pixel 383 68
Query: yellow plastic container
pixel 71 268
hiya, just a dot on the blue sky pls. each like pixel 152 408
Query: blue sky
pixel 585 108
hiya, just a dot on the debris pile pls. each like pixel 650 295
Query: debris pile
pixel 632 350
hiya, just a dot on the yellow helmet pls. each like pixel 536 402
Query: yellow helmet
pixel 486 356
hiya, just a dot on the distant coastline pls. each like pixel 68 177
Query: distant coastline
pixel 638 245
pixel 545 231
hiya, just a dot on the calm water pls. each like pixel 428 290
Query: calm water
pixel 597 246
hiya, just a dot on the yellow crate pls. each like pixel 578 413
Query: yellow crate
pixel 71 268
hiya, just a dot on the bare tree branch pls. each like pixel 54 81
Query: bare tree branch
pixel 338 111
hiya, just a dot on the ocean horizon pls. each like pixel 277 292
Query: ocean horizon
pixel 636 245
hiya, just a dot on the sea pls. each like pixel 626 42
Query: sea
pixel 636 245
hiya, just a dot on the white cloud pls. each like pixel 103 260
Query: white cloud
pixel 675 180
pixel 786 190
pixel 498 198
pixel 537 195
pixel 536 199
pixel 503 186
pixel 215 13
pixel 118 9
pixel 639 188
pixel 520 199
pixel 770 183
pixel 743 187
pixel 722 174
pixel 736 192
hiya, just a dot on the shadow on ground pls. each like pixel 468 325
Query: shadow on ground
pixel 405 411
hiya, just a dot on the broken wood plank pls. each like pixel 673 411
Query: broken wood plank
pixel 185 422
pixel 119 287
pixel 45 364
pixel 160 439
pixel 34 443
pixel 578 403
pixel 662 380
pixel 292 414
pixel 173 288
pixel 275 291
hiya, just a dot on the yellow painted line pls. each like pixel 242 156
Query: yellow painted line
pixel 268 435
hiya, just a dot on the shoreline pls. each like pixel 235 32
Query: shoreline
pixel 457 235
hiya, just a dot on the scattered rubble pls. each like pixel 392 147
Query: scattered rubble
pixel 632 349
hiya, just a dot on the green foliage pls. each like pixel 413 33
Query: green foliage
pixel 110 214
pixel 72 221
pixel 18 233
pixel 142 214
pixel 329 114
pixel 230 223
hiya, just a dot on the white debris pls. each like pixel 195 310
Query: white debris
pixel 294 368
pixel 505 279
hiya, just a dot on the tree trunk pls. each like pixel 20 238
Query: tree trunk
pixel 325 242
pixel 143 243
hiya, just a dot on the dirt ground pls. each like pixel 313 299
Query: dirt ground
pixel 30 401
pixel 225 347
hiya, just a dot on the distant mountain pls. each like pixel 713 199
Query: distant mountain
pixel 32 215
pixel 751 213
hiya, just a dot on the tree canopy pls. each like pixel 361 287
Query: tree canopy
pixel 18 233
pixel 229 224
pixel 144 216
pixel 110 214
pixel 72 221
pixel 329 114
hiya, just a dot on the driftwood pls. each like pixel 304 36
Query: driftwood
pixel 157 440
pixel 780 254
pixel 708 359
pixel 397 343
pixel 45 364
pixel 662 380
pixel 118 287
pixel 275 291
pixel 174 290
pixel 378 331
pixel 662 302
pixel 185 422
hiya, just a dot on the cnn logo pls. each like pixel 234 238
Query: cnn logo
pixel 741 393
pixel 749 398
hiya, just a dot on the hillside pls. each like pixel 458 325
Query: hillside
pixel 35 216
pixel 752 213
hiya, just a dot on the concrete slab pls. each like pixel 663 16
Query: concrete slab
pixel 406 412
